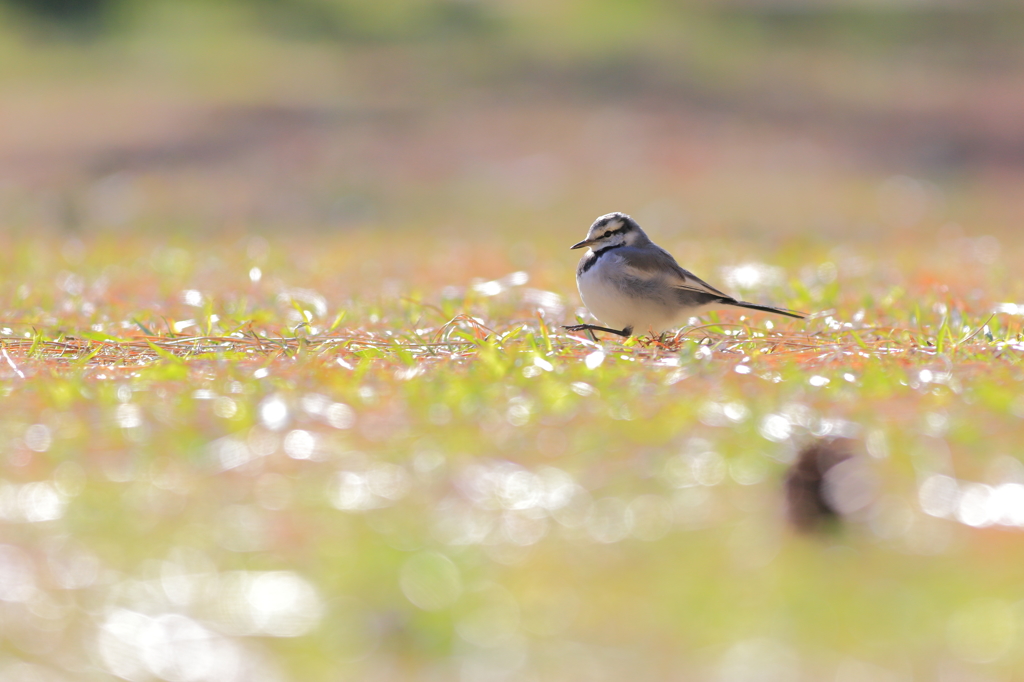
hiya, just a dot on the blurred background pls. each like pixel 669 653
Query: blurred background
pixel 228 168
pixel 753 117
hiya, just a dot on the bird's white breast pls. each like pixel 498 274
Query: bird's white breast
pixel 601 288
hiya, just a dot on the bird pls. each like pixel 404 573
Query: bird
pixel 633 285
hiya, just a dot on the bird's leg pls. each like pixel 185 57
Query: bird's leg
pixel 627 332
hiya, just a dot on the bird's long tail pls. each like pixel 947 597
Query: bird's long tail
pixel 766 308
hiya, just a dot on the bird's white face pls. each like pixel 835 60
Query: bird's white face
pixel 614 229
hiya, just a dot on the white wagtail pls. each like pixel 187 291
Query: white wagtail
pixel 630 283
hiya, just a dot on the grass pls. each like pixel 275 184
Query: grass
pixel 211 468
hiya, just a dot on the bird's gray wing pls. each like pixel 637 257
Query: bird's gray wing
pixel 649 271
pixel 653 262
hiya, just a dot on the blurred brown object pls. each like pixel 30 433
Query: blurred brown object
pixel 809 506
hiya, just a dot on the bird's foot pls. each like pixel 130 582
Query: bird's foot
pixel 627 332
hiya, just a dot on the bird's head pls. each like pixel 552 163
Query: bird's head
pixel 614 229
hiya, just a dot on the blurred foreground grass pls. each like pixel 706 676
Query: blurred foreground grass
pixel 306 460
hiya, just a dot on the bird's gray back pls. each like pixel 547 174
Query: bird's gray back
pixel 652 258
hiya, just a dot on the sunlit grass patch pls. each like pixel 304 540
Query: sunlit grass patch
pixel 310 477
pixel 495 343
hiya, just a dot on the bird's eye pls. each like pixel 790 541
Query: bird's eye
pixel 606 235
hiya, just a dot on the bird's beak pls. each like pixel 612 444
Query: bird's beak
pixel 580 245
